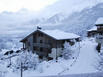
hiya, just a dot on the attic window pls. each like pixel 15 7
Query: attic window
pixel 40 34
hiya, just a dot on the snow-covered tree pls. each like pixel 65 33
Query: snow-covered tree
pixel 56 52
pixel 70 51
pixel 67 52
pixel 28 60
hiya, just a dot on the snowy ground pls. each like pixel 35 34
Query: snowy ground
pixel 84 66
pixel 87 58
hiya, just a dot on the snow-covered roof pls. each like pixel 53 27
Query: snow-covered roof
pixel 56 34
pixel 93 28
pixel 99 21
pixel 59 35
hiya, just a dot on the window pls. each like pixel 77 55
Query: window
pixel 77 39
pixel 40 34
pixel 28 43
pixel 41 49
pixel 34 40
pixel 41 41
pixel 34 48
pixel 98 27
pixel 41 57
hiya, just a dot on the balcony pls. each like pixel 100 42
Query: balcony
pixel 99 39
pixel 44 45
pixel 42 53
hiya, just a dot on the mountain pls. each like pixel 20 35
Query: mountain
pixel 68 6
pixel 80 22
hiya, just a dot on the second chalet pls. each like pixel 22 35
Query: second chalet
pixel 97 32
pixel 42 41
pixel 97 29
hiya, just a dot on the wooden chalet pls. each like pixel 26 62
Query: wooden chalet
pixel 42 41
pixel 97 32
pixel 97 29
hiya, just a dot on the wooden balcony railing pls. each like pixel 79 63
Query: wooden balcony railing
pixel 44 45
pixel 42 53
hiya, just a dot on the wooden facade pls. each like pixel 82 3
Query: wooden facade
pixel 41 43
pixel 98 35
pixel 99 31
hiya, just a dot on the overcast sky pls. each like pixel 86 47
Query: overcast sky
pixel 38 5
pixel 15 5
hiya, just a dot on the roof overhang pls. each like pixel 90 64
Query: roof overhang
pixel 24 39
pixel 99 24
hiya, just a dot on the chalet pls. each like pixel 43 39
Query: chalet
pixel 97 32
pixel 42 41
pixel 97 29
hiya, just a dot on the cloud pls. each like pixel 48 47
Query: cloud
pixel 15 5
pixel 69 6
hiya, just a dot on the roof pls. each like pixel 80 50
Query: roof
pixel 99 21
pixel 93 28
pixel 57 34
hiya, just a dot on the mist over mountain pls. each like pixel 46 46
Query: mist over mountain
pixel 80 22
pixel 18 25
pixel 59 13
pixel 69 6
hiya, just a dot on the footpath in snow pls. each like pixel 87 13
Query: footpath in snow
pixel 87 59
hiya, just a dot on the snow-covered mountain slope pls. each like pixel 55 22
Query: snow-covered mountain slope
pixel 69 6
pixel 80 22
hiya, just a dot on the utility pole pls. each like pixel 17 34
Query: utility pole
pixel 56 51
pixel 10 59
pixel 21 75
pixel 79 49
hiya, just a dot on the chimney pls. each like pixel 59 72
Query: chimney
pixel 39 28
